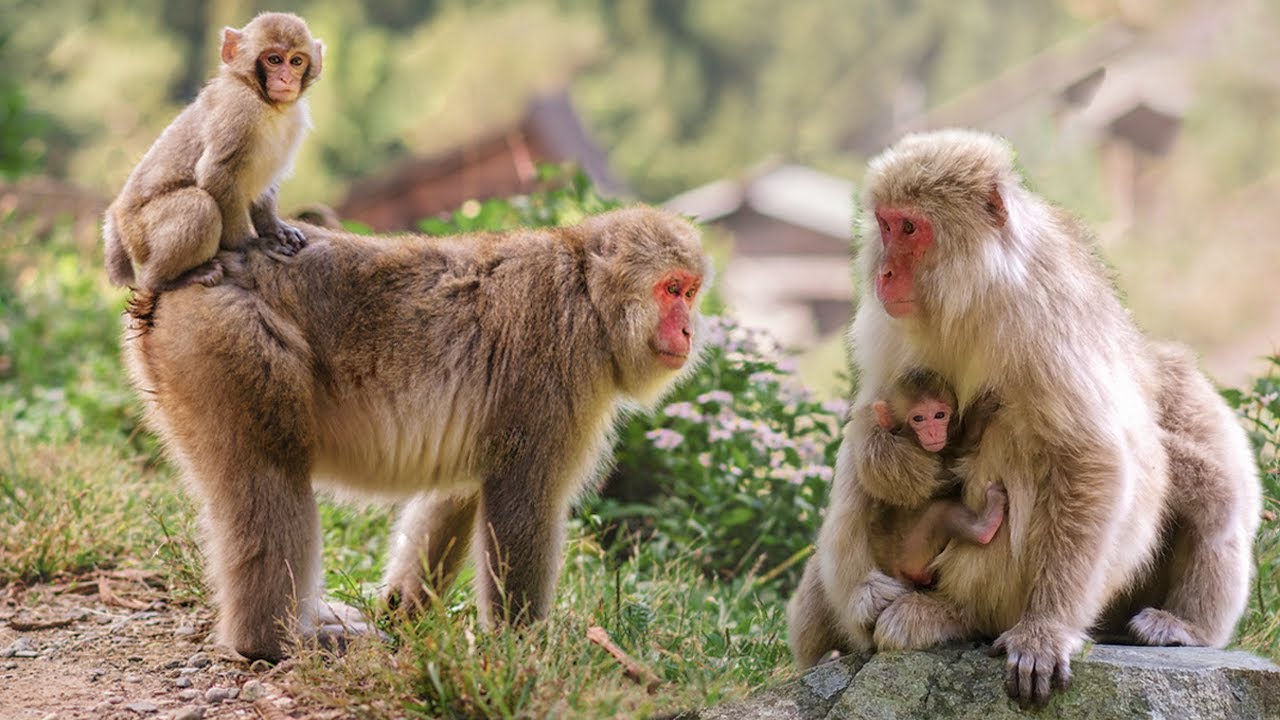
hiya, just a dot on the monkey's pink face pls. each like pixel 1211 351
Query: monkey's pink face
pixel 283 70
pixel 907 236
pixel 929 418
pixel 676 295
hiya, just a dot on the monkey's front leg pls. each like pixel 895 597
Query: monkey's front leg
pixel 1061 554
pixel 267 223
pixel 518 546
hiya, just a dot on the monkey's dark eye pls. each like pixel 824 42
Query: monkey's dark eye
pixel 274 59
pixel 940 415
pixel 691 292
pixel 917 418
pixel 908 227
pixel 296 61
pixel 673 289
pixel 884 226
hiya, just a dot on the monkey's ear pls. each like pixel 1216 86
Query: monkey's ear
pixel 995 207
pixel 230 44
pixel 317 57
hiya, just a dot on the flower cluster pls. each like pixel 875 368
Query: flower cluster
pixel 740 459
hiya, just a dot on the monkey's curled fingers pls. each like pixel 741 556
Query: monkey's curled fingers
pixel 875 594
pixel 291 239
pixel 1039 660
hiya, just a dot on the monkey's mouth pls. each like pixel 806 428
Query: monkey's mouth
pixel 900 308
pixel 675 361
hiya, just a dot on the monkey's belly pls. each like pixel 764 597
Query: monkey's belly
pixel 388 454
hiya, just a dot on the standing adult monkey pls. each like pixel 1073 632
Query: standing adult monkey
pixel 968 273
pixel 479 375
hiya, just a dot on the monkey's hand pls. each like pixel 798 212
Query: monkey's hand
pixel 871 597
pixel 1039 659
pixel 290 238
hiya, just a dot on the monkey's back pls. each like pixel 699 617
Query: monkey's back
pixel 395 355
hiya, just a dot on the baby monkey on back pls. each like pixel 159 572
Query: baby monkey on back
pixel 921 406
pixel 210 180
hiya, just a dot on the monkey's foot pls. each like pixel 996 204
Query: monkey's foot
pixel 207 274
pixel 1160 627
pixel 1039 660
pixel 917 620
pixel 290 238
pixel 876 593
pixel 336 624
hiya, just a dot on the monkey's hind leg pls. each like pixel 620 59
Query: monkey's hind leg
pixel 182 230
pixel 812 629
pixel 430 541
pixel 262 533
pixel 1210 564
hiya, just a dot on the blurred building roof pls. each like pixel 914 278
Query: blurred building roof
pixel 788 271
pixel 496 165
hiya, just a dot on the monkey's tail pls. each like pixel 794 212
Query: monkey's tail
pixel 141 309
pixel 119 267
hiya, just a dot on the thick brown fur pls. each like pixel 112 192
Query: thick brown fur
pixel 210 180
pixel 480 376
pixel 1103 441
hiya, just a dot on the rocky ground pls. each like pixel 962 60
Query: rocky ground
pixel 113 646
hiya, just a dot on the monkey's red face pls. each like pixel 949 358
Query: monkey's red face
pixel 676 295
pixel 282 71
pixel 929 418
pixel 907 235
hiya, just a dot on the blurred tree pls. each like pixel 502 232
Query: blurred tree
pixel 21 147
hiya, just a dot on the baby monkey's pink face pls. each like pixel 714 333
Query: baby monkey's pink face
pixel 929 418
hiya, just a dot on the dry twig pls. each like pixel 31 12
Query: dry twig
pixel 630 667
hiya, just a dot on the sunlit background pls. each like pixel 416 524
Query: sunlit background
pixel 1157 122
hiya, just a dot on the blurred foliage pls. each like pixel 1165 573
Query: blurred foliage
pixel 21 149
pixel 1259 406
pixel 680 92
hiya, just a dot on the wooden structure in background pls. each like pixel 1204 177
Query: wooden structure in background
pixel 498 165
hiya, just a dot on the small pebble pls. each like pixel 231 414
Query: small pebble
pixel 142 707
pixel 199 660
pixel 50 716
pixel 183 681
pixel 96 673
pixel 215 695
pixel 135 658
pixel 188 695
pixel 252 690
pixel 184 631
pixel 115 699
pixel 191 712
pixel 21 645
pixel 133 678
pixel 11 665
pixel 173 665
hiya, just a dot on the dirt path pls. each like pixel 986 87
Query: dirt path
pixel 111 646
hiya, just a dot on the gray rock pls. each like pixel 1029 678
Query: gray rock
pixel 188 694
pixel 184 631
pixel 182 681
pixel 215 695
pixel 190 712
pixel 19 648
pixel 1110 682
pixel 199 660
pixel 142 707
pixel 252 690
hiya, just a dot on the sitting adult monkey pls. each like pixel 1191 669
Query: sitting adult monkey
pixel 480 375
pixel 1133 495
